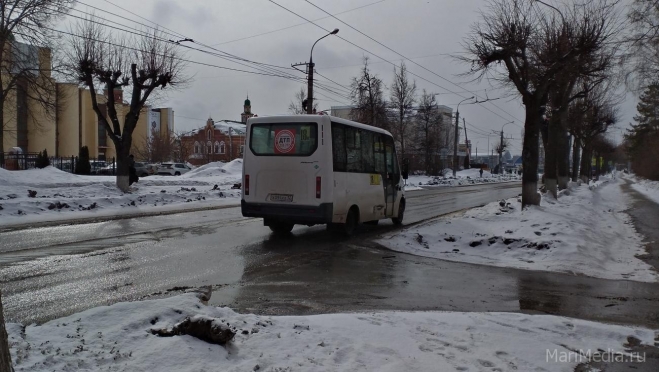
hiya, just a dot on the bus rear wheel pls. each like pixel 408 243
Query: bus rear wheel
pixel 352 220
pixel 398 220
pixel 281 227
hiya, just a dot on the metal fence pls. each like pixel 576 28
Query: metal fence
pixel 11 161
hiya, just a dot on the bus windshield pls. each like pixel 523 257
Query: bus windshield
pixel 284 139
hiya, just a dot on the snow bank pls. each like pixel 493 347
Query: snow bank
pixel 464 177
pixel 63 196
pixel 232 170
pixel 646 187
pixel 118 338
pixel 585 232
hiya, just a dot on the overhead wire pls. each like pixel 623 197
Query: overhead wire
pixel 262 70
pixel 401 55
pixel 296 25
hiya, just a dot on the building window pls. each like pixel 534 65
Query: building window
pixel 242 148
pixel 209 147
pixel 222 147
pixel 208 136
pixel 217 147
pixel 196 147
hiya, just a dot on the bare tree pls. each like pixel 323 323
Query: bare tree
pixel 593 30
pixel 26 40
pixel 644 44
pixel 402 99
pixel 182 149
pixel 156 148
pixel 524 48
pixel 296 107
pixel 428 129
pixel 368 99
pixel 140 65
pixel 590 117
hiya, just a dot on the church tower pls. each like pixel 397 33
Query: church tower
pixel 247 113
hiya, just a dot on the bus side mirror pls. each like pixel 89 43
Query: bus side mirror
pixel 406 168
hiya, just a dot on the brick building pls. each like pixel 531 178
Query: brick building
pixel 222 140
pixel 217 141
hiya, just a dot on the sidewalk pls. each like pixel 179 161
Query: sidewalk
pixel 645 217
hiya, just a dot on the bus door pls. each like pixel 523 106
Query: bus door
pixel 391 178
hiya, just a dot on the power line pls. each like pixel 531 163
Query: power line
pixel 417 64
pixel 297 25
pixel 263 71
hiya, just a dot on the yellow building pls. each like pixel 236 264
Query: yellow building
pixel 77 124
pixel 72 122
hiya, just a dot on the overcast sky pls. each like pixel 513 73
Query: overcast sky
pixel 429 32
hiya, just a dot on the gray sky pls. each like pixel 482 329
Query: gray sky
pixel 427 31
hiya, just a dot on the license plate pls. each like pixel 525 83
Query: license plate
pixel 281 198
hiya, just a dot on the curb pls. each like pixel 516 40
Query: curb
pixel 94 219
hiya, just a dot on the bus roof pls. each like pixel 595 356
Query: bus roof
pixel 314 118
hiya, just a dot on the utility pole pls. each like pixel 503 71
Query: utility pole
pixel 310 86
pixel 230 145
pixel 455 144
pixel 467 144
pixel 501 153
pixel 310 67
pixel 457 136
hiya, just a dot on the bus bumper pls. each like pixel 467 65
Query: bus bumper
pixel 297 214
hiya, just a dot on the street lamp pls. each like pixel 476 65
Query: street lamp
pixel 457 135
pixel 310 73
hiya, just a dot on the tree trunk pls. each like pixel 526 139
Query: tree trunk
pixel 530 153
pixel 123 170
pixel 598 166
pixel 2 129
pixel 5 356
pixel 576 159
pixel 551 155
pixel 563 152
pixel 586 157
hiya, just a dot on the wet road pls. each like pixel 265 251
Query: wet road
pixel 51 272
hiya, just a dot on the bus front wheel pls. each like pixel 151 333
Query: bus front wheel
pixel 398 220
pixel 281 227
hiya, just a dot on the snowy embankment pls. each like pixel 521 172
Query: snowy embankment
pixel 646 187
pixel 585 232
pixel 119 338
pixel 64 196
pixel 464 177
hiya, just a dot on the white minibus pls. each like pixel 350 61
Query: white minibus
pixel 319 169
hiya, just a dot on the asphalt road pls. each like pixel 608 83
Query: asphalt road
pixel 51 272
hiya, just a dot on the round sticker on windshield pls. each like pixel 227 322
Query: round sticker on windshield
pixel 284 141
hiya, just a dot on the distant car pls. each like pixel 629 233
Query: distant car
pixel 143 169
pixel 173 169
pixel 97 165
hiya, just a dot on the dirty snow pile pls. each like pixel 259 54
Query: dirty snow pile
pixel 584 232
pixel 49 194
pixel 119 338
pixel 646 187
pixel 463 177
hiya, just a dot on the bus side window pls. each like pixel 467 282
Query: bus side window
pixel 339 147
pixel 379 154
pixel 353 150
pixel 368 156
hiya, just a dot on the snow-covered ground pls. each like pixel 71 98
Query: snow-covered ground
pixel 463 177
pixel 646 187
pixel 119 338
pixel 585 233
pixel 64 196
